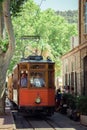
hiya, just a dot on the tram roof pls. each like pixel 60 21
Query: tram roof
pixel 34 59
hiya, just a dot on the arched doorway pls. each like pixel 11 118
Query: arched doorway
pixel 85 76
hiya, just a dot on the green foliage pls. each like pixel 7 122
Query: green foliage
pixel 16 6
pixel 71 15
pixel 70 100
pixel 1 1
pixel 76 102
pixel 3 45
pixel 82 104
pixel 52 28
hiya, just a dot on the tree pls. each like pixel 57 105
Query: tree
pixel 71 15
pixel 7 43
pixel 5 56
pixel 53 30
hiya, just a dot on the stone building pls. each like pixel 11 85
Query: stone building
pixel 74 67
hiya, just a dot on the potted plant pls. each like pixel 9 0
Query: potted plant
pixel 69 100
pixel 82 106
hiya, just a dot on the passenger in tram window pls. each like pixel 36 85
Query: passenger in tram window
pixel 38 81
pixel 23 80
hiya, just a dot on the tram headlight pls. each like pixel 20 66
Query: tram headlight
pixel 38 100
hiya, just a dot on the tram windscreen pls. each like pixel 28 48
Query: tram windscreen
pixel 37 79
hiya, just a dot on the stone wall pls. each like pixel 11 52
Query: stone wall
pixel 74 68
pixel 73 62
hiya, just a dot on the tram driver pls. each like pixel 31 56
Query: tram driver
pixel 38 81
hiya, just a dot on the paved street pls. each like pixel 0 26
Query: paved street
pixel 66 123
pixel 56 122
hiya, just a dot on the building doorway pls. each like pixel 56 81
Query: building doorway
pixel 85 76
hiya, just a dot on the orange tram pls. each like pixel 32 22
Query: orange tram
pixel 37 92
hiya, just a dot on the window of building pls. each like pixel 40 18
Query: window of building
pixel 85 19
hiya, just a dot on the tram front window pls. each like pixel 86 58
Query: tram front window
pixel 37 80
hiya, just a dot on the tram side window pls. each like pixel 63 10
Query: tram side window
pixel 37 80
pixel 51 79
pixel 23 80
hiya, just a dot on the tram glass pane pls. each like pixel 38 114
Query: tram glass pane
pixel 37 66
pixel 37 79
pixel 24 78
pixel 51 79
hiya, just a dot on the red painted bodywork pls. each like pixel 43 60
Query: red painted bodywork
pixel 27 97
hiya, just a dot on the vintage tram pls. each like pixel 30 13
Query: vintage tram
pixel 37 92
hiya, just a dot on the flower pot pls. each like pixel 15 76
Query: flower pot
pixel 83 119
